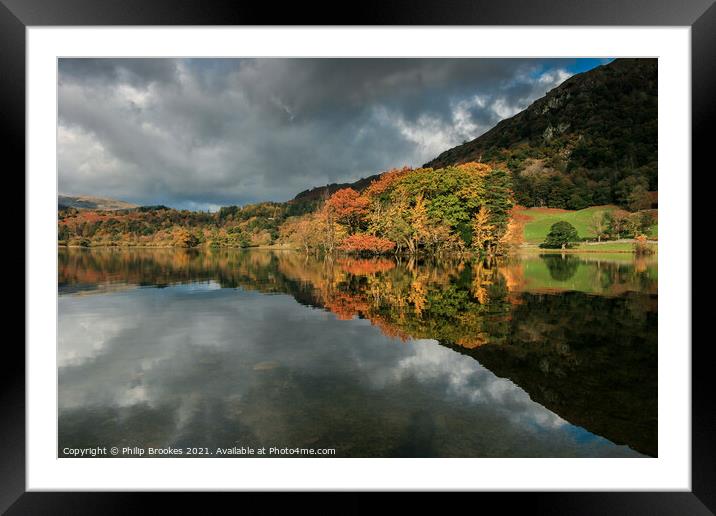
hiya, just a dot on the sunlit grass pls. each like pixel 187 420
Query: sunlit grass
pixel 541 219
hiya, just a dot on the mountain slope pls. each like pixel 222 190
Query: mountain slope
pixel 90 202
pixel 319 193
pixel 592 140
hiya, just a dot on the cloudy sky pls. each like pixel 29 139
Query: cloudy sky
pixel 202 133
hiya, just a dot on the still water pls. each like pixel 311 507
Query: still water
pixel 536 356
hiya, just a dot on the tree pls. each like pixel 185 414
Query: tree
pixel 482 230
pixel 514 236
pixel 349 207
pixel 641 247
pixel 498 198
pixel 183 238
pixel 616 222
pixel 420 223
pixel 561 235
pixel 440 238
pixel 393 223
pixel 386 181
pixel 366 244
pixel 301 232
pixel 639 198
pixel 599 225
pixel 629 189
pixel 63 234
pixel 578 200
pixel 639 223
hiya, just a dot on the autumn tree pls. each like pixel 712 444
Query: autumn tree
pixel 482 229
pixel 616 223
pixel 184 238
pixel 392 221
pixel 300 232
pixel 514 235
pixel 366 244
pixel 638 223
pixel 420 224
pixel 386 181
pixel 348 207
pixel 641 247
pixel 432 210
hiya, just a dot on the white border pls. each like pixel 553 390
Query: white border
pixel 672 470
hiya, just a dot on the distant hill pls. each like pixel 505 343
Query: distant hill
pixel 89 202
pixel 590 141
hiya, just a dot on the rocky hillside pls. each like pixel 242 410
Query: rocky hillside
pixel 592 140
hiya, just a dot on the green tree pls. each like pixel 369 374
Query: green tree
pixel 639 199
pixel 561 235
pixel 498 199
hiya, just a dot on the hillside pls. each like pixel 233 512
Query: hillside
pixel 320 193
pixel 590 141
pixel 89 202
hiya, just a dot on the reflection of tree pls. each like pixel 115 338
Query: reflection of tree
pixel 561 267
pixel 358 266
pixel 469 303
pixel 600 374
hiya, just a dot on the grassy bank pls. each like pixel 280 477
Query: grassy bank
pixel 586 247
pixel 538 221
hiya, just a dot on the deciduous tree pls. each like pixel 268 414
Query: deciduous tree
pixel 561 235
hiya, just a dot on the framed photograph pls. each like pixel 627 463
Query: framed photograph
pixel 419 252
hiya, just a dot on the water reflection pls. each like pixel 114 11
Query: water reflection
pixel 539 356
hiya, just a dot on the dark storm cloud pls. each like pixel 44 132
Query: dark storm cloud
pixel 201 133
pixel 138 72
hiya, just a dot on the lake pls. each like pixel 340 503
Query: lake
pixel 205 350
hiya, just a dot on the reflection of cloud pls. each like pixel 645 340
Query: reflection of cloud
pixel 132 396
pixel 82 336
pixel 184 359
pixel 464 378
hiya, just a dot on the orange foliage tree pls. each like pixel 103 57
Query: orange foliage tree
pixel 386 181
pixel 349 207
pixel 363 243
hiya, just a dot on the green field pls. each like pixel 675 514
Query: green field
pixel 541 220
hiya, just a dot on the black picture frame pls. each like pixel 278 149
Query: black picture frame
pixel 700 15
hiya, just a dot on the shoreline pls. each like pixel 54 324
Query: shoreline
pixel 522 250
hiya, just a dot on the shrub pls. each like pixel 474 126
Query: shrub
pixel 641 247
